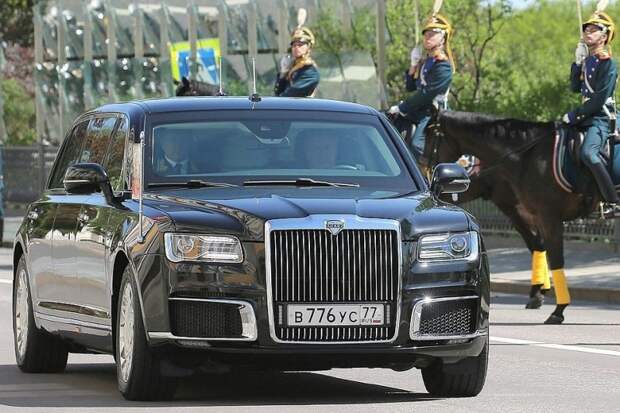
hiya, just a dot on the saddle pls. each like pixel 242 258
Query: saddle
pixel 568 169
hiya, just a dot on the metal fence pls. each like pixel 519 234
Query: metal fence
pixel 25 172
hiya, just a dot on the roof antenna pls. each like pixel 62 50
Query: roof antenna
pixel 255 96
pixel 221 91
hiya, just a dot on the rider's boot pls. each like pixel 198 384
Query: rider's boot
pixel 610 208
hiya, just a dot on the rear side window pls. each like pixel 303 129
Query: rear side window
pixel 114 163
pixel 70 152
pixel 97 140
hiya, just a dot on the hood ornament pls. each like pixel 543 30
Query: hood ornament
pixel 334 226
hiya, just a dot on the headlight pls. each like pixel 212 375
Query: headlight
pixel 204 248
pixel 448 247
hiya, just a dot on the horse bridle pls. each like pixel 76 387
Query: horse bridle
pixel 439 135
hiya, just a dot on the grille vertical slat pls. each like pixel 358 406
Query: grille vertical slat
pixel 314 266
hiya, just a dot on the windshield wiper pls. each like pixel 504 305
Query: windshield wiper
pixel 298 182
pixel 194 183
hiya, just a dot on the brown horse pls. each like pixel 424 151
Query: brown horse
pixel 493 187
pixel 517 165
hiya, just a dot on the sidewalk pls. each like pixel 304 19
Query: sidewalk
pixel 592 269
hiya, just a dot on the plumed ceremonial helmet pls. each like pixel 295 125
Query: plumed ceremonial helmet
pixel 604 22
pixel 437 22
pixel 303 34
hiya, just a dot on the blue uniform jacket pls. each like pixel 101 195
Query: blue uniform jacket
pixel 595 79
pixel 434 80
pixel 303 82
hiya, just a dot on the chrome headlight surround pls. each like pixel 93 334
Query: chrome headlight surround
pixel 448 247
pixel 203 248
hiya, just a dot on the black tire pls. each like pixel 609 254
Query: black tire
pixel 144 380
pixel 462 379
pixel 42 352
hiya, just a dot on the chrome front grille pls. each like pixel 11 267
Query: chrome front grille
pixel 314 266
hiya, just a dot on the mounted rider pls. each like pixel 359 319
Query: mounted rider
pixel 594 75
pixel 298 75
pixel 429 77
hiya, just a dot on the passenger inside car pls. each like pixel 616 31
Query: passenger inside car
pixel 317 149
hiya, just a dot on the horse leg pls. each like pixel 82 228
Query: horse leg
pixel 540 281
pixel 553 233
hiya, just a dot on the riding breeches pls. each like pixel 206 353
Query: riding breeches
pixel 591 156
pixel 417 140
pixel 593 142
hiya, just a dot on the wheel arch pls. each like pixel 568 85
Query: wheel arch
pixel 121 262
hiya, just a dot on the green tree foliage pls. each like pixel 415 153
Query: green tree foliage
pixel 19 114
pixel 16 21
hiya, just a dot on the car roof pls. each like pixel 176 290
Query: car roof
pixel 184 104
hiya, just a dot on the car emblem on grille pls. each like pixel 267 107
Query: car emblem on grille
pixel 334 226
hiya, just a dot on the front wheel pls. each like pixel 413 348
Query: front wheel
pixel 138 369
pixel 36 351
pixel 462 379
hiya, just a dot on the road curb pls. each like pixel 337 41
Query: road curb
pixel 604 295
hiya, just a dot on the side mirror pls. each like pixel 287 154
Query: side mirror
pixel 86 178
pixel 449 178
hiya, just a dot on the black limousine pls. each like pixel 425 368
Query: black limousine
pixel 205 234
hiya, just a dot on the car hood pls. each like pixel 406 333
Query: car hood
pixel 244 212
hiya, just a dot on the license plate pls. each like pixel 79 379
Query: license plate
pixel 335 315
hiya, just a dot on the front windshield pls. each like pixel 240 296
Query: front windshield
pixel 274 146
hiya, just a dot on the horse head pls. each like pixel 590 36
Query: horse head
pixel 439 146
pixel 188 87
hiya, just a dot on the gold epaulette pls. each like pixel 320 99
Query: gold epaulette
pixel 440 56
pixel 603 55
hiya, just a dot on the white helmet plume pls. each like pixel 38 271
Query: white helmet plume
pixel 302 14
pixel 437 6
pixel 601 5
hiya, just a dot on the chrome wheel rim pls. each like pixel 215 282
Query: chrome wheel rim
pixel 22 314
pixel 126 332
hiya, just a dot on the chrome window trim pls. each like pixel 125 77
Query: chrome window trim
pixel 416 315
pixel 249 328
pixel 317 222
pixel 72 321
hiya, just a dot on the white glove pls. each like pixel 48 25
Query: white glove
pixel 285 64
pixel 565 118
pixel 395 110
pixel 416 55
pixel 581 52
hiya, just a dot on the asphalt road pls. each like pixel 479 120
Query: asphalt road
pixel 574 367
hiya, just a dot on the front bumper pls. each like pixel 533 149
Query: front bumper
pixel 246 283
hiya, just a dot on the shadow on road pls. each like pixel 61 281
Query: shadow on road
pixel 94 385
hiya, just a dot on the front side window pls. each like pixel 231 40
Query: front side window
pixel 69 154
pixel 281 145
pixel 97 139
pixel 114 162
